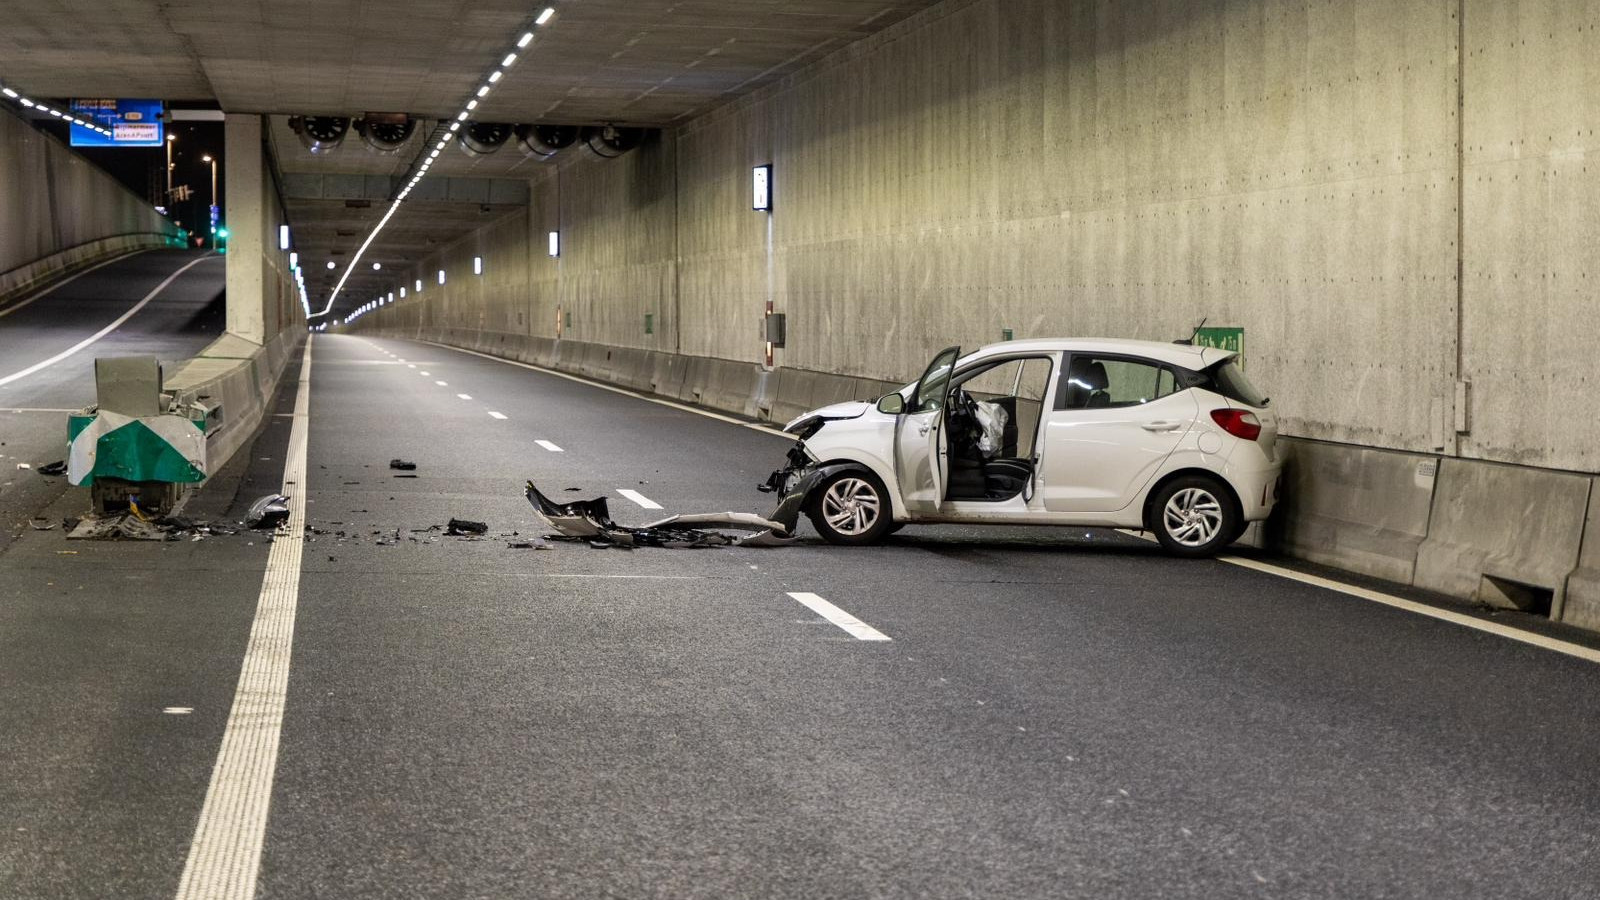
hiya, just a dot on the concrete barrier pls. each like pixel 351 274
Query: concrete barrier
pixel 1354 508
pixel 242 376
pixel 1504 535
pixel 1582 603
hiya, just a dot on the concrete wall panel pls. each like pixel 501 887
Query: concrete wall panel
pixel 58 210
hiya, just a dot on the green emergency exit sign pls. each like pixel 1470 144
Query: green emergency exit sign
pixel 1222 338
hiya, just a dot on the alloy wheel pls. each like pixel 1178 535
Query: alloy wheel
pixel 851 506
pixel 1193 517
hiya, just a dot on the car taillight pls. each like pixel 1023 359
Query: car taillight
pixel 1237 422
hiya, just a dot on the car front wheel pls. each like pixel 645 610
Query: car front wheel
pixel 1195 516
pixel 851 508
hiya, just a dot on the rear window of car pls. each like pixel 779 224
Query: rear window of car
pixel 1228 380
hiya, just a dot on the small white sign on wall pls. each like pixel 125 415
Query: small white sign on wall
pixel 761 183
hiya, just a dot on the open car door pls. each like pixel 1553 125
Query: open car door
pixel 920 440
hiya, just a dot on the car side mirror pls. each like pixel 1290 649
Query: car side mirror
pixel 892 404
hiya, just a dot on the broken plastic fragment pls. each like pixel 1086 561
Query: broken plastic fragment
pixel 269 511
pixel 59 467
pixel 590 520
pixel 402 464
pixel 462 526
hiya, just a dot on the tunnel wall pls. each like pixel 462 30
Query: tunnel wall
pixel 1392 199
pixel 58 211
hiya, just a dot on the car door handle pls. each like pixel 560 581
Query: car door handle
pixel 1161 426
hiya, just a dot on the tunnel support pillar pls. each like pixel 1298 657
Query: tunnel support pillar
pixel 251 236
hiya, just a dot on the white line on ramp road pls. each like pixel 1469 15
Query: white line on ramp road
pixel 225 856
pixel 497 415
pixel 549 446
pixel 857 628
pixel 465 396
pixel 638 498
pixel 63 283
pixel 104 331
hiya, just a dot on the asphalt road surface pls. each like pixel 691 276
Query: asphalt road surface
pixel 1055 712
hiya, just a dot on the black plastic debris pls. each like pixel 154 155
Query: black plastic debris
pixel 404 465
pixel 589 521
pixel 59 467
pixel 403 476
pixel 269 511
pixel 462 526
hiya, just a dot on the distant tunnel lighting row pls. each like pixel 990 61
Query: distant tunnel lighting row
pixel 421 171
pixel 30 103
pixel 385 299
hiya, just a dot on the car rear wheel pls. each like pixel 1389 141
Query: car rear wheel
pixel 851 508
pixel 1195 516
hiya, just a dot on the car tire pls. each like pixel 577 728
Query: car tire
pixel 852 509
pixel 1195 516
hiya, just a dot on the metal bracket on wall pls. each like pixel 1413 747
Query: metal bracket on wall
pixel 1464 406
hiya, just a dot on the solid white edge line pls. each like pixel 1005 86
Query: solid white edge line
pixel 104 331
pixel 550 445
pixel 1421 609
pixel 857 628
pixel 225 855
pixel 613 389
pixel 639 498
pixel 6 311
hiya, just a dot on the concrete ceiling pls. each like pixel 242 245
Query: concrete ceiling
pixel 632 62
pixel 651 62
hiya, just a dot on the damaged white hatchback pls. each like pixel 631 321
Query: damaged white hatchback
pixel 1166 438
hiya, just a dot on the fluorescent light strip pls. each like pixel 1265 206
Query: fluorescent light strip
pixel 483 91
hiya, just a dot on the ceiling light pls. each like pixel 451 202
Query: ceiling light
pixel 443 143
pixel 13 94
pixel 462 117
pixel 472 104
pixel 506 63
pixel 525 40
pixel 294 260
pixel 494 76
pixel 455 127
pixel 332 264
pixel 26 102
pixel 545 16
pixel 419 285
pixel 483 91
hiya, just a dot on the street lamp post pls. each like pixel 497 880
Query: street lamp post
pixel 170 139
pixel 207 158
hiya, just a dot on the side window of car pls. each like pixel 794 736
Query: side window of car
pixel 1092 382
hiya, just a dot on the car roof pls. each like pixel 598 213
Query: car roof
pixel 1186 355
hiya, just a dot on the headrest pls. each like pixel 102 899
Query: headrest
pixel 1095 377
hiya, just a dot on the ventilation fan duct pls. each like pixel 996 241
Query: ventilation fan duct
pixel 320 133
pixel 610 141
pixel 386 132
pixel 545 141
pixel 483 138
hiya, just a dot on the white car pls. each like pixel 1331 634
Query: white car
pixel 1166 438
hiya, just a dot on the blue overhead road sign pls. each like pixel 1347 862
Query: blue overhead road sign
pixel 133 123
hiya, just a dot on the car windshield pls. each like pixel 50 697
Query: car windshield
pixel 1228 380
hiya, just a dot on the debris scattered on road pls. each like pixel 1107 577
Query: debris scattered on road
pixel 527 545
pixel 462 526
pixel 40 523
pixel 24 466
pixel 403 476
pixel 590 521
pixel 404 465
pixel 59 467
pixel 269 511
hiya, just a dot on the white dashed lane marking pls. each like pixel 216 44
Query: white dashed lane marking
pixel 465 396
pixel 441 384
pixel 857 628
pixel 637 497
pixel 549 446
pixel 497 415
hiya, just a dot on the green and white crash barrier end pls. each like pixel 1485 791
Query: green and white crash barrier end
pixel 165 448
